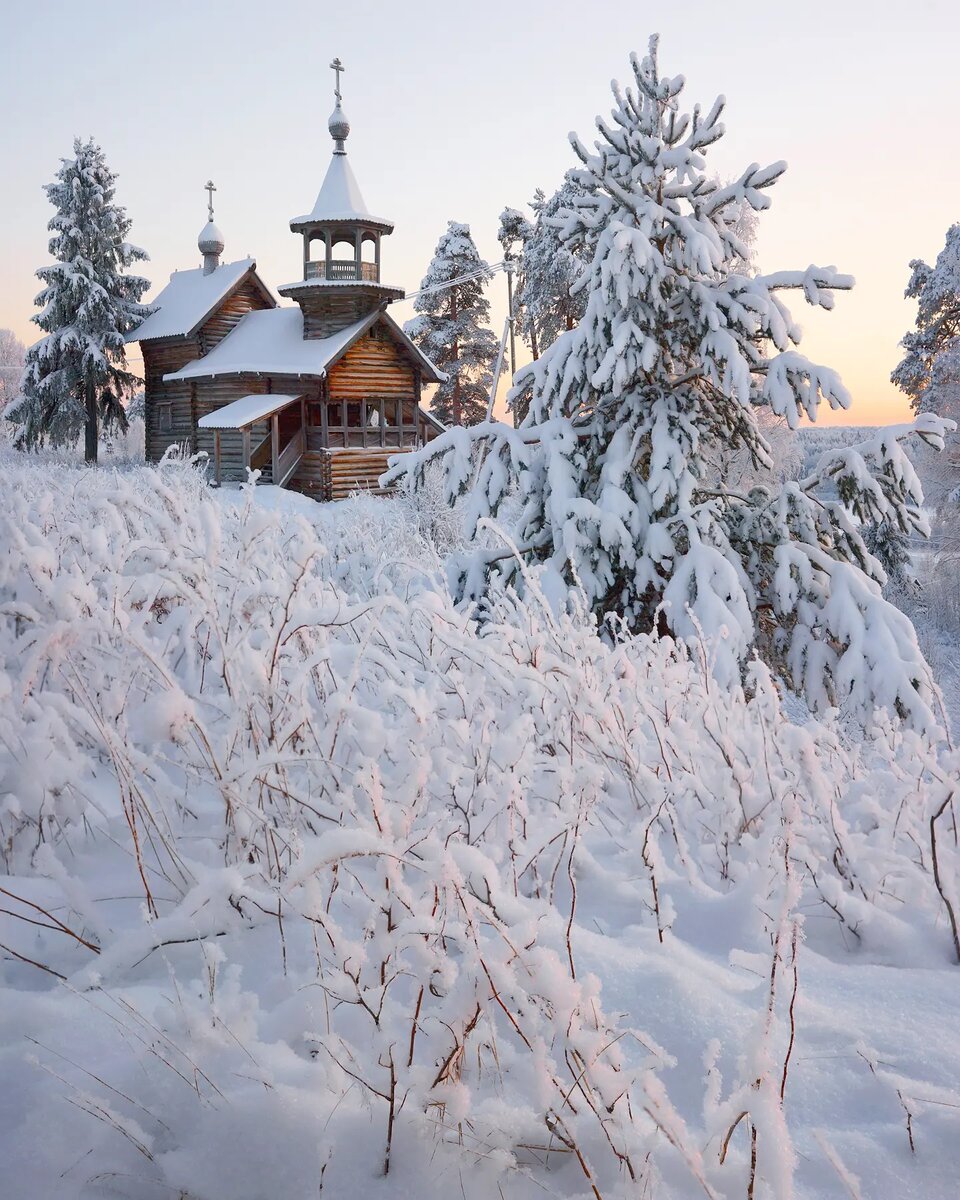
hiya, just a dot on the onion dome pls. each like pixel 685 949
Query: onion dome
pixel 339 128
pixel 210 240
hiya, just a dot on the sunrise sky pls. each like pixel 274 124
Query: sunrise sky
pixel 459 110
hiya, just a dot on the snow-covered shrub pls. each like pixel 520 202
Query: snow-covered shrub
pixel 372 889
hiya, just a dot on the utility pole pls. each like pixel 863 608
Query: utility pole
pixel 457 407
pixel 508 266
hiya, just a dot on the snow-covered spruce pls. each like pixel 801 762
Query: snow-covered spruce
pixel 451 328
pixel 344 885
pixel 76 378
pixel 677 348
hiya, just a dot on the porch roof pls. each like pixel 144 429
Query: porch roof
pixel 238 414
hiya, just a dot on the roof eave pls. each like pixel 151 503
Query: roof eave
pixel 367 220
pixel 250 273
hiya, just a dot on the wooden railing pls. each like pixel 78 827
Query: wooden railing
pixel 260 456
pixel 342 269
pixel 289 457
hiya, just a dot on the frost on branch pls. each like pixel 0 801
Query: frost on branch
pixel 609 476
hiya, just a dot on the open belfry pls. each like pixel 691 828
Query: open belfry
pixel 316 394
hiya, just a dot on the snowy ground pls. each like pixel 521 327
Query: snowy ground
pixel 305 870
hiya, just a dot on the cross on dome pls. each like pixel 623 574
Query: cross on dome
pixel 338 124
pixel 337 66
pixel 210 241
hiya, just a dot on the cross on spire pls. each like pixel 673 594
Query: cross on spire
pixel 337 66
pixel 211 187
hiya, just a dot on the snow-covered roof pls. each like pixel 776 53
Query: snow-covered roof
pixel 188 299
pixel 271 342
pixel 340 199
pixel 240 413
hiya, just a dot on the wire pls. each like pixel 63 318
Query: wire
pixel 492 269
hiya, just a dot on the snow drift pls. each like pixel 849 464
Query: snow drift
pixel 315 886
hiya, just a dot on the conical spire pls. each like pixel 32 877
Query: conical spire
pixel 340 198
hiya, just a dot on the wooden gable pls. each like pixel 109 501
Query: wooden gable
pixel 375 365
pixel 247 296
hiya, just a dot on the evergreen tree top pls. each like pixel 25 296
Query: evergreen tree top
pixel 90 245
pixel 455 256
pixel 937 292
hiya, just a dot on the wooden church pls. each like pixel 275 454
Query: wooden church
pixel 316 394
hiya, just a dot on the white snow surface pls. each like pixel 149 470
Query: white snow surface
pixel 271 341
pixel 188 298
pixel 305 874
pixel 340 199
pixel 240 413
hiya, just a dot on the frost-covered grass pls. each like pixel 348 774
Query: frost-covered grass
pixel 313 886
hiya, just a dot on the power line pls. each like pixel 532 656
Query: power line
pixel 482 272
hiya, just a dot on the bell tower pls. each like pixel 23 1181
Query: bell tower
pixel 341 245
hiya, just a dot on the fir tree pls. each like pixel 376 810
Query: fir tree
pixel 888 544
pixel 76 376
pixel 451 329
pixel 678 348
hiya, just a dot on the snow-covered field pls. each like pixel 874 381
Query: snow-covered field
pixel 315 887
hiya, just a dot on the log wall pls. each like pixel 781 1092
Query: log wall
pixel 244 299
pixel 372 367
pixel 168 414
pixel 328 310
pixel 334 474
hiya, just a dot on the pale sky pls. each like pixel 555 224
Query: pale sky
pixel 460 110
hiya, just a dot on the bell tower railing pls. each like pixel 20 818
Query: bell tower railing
pixel 346 268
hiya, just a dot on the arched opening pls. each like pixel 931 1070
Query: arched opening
pixel 314 256
pixel 370 257
pixel 343 256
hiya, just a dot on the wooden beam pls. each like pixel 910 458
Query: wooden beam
pixel 216 455
pixel 275 447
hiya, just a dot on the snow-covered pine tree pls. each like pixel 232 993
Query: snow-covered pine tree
pixel 547 300
pixel 937 292
pixel 677 349
pixel 929 372
pixel 76 376
pixel 450 328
